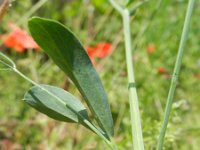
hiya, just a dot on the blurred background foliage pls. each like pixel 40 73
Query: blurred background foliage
pixel 155 47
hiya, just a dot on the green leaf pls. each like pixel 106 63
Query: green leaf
pixel 56 103
pixel 68 53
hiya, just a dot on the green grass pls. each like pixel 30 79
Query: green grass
pixel 22 125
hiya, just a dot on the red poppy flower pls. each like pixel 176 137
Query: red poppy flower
pixel 100 50
pixel 18 39
pixel 103 49
pixel 162 70
pixel 151 48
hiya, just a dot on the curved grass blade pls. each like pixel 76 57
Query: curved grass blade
pixel 68 53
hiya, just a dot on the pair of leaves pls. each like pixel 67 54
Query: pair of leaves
pixel 68 53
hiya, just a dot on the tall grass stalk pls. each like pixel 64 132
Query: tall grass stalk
pixel 175 75
pixel 137 137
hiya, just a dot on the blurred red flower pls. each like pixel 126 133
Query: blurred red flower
pixel 162 70
pixel 151 48
pixel 91 54
pixel 100 50
pixel 18 39
pixel 103 49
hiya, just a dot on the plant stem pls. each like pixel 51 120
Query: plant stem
pixel 175 75
pixel 138 143
pixel 8 59
pixel 133 97
pixel 93 128
pixel 116 6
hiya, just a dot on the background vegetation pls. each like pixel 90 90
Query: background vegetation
pixel 155 49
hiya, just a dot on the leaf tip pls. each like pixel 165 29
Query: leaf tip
pixel 34 18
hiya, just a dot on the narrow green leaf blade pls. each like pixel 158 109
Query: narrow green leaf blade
pixel 55 103
pixel 68 53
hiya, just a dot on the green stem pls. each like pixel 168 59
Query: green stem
pixel 8 59
pixel 138 143
pixel 116 6
pixel 133 97
pixel 175 75
pixel 93 128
